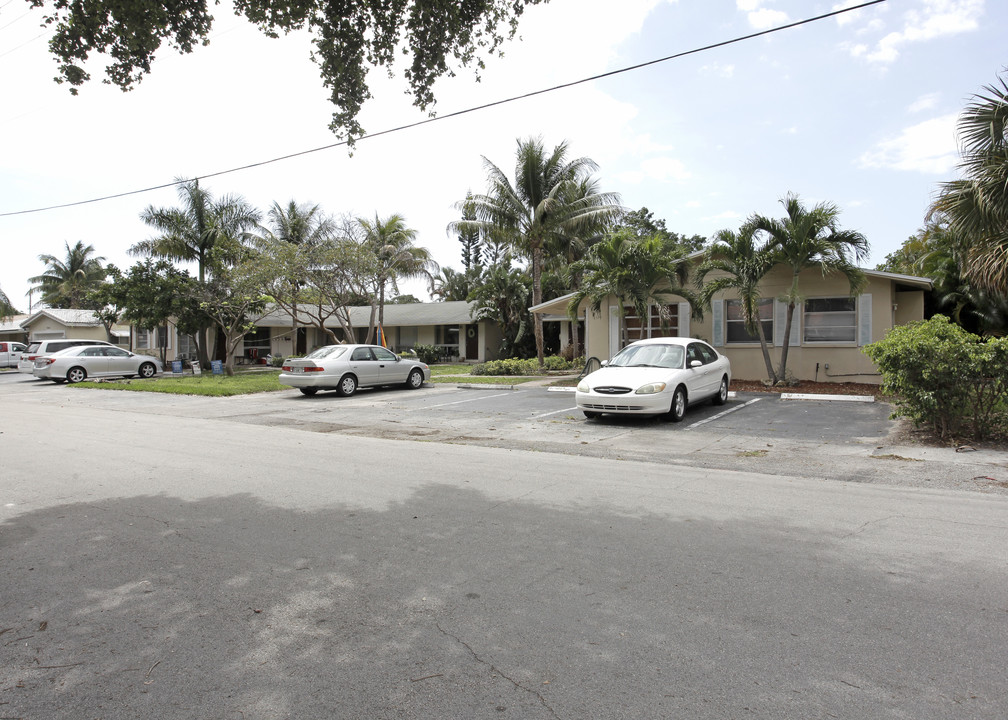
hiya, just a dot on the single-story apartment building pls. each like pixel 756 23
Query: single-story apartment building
pixel 11 330
pixel 55 323
pixel 828 331
pixel 445 325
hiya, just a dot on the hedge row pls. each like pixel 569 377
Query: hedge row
pixel 530 366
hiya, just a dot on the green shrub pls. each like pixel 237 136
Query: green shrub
pixel 530 366
pixel 276 360
pixel 427 353
pixel 510 366
pixel 946 378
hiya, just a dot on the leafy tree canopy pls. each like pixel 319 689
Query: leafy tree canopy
pixel 67 281
pixel 643 224
pixel 7 308
pixel 348 38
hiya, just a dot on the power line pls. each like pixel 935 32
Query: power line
pixel 458 113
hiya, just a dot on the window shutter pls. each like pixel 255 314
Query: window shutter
pixel 780 321
pixel 684 319
pixel 614 330
pixel 780 318
pixel 864 320
pixel 717 323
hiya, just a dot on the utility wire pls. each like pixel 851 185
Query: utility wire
pixel 458 113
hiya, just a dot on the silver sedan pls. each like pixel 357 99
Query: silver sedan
pixel 78 363
pixel 345 368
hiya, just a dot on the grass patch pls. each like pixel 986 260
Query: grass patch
pixel 753 453
pixel 243 383
pixel 450 369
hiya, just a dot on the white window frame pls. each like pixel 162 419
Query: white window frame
pixel 853 327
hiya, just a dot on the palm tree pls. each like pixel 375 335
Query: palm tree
pixel 539 205
pixel 977 205
pixel 191 233
pixel 811 239
pixel 571 243
pixel 634 271
pixel 300 226
pixel 503 298
pixel 7 309
pixel 391 242
pixel 741 266
pixel 67 282
pixel 454 285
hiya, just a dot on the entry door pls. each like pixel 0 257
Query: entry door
pixel 472 342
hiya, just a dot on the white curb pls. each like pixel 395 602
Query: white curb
pixel 841 398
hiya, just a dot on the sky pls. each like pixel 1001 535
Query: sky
pixel 857 110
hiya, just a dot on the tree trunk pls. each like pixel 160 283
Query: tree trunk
pixel 294 329
pixel 537 259
pixel 771 375
pixel 782 373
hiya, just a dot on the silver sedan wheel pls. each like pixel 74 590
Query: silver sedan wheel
pixel 415 379
pixel 147 370
pixel 76 375
pixel 347 385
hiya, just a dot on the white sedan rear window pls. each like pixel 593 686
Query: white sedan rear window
pixel 329 351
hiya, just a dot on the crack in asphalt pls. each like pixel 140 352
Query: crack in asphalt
pixel 497 671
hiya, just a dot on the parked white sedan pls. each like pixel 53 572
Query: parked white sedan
pixel 345 368
pixel 658 376
pixel 79 363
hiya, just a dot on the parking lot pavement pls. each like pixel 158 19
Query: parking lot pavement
pixel 753 431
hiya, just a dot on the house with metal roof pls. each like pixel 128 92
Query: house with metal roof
pixel 55 323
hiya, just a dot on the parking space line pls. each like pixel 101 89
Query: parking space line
pixel 721 414
pixel 459 402
pixel 555 412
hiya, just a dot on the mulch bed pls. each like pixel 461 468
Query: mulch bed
pixel 807 386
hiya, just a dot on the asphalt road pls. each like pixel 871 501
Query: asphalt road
pixel 476 554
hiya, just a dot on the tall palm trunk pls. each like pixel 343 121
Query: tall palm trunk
pixel 537 263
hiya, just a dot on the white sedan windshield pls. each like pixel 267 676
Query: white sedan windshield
pixel 664 356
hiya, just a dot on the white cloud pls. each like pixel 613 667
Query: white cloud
pixel 928 147
pixel 924 102
pixel 765 18
pixel 761 18
pixel 847 17
pixel 726 216
pixel 724 71
pixel 931 19
pixel 665 168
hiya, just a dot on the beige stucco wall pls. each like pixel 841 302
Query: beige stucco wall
pixel 44 325
pixel 847 362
